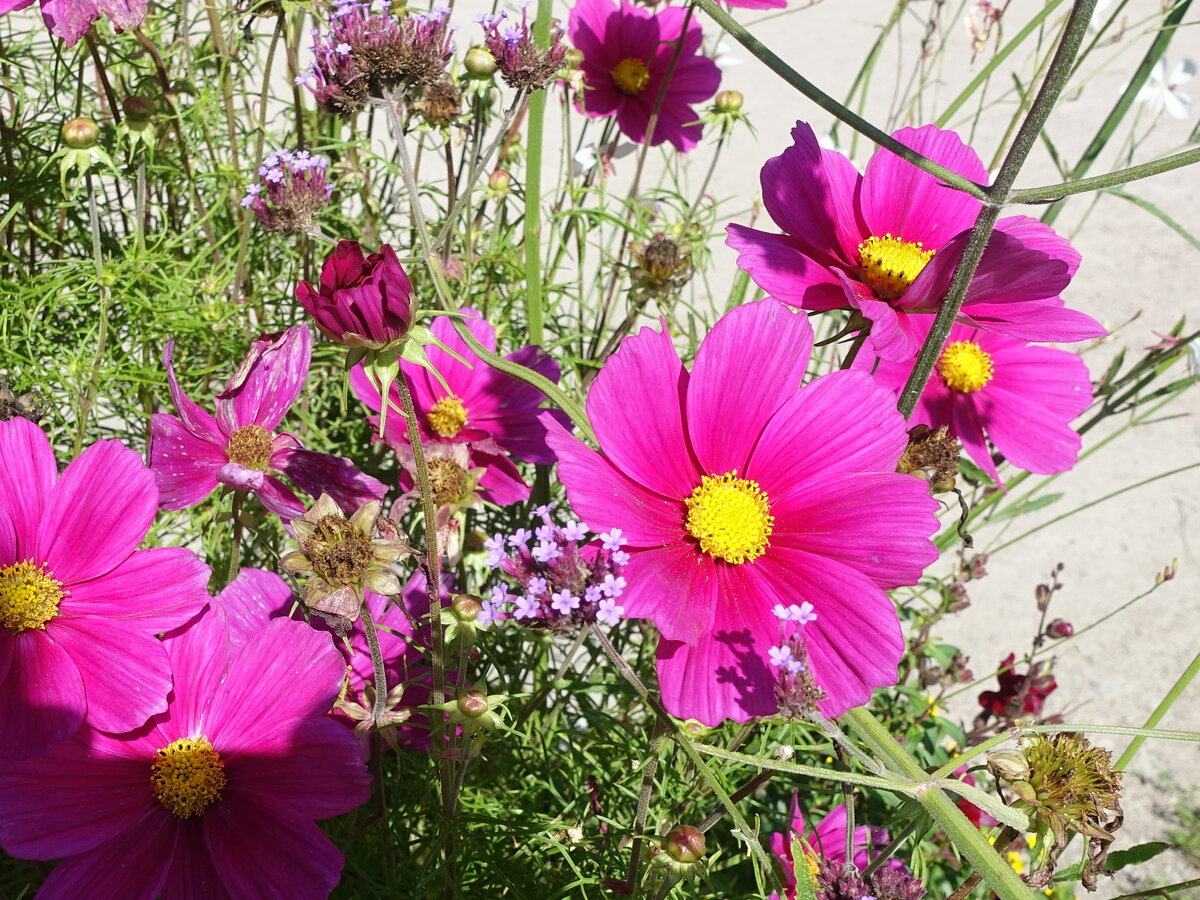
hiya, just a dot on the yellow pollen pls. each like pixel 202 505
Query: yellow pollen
pixel 965 367
pixel 250 447
pixel 814 867
pixel 630 76
pixel 447 417
pixel 730 517
pixel 890 264
pixel 187 776
pixel 29 597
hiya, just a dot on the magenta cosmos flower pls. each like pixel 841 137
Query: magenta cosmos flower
pixel 886 243
pixel 214 798
pixel 80 605
pixel 492 413
pixel 738 492
pixel 192 454
pixel 986 387
pixel 626 54
pixel 829 840
pixel 362 301
pixel 70 19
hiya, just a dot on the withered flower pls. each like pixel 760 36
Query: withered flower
pixel 343 556
pixel 24 406
pixel 931 454
pixel 664 266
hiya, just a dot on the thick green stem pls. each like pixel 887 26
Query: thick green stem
pixel 533 190
pixel 1111 179
pixel 89 397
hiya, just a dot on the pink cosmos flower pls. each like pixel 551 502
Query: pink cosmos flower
pixel 738 492
pixel 70 19
pixel 886 242
pixel 986 387
pixel 215 797
pixel 626 54
pixel 492 413
pixel 362 301
pixel 80 605
pixel 192 454
pixel 829 840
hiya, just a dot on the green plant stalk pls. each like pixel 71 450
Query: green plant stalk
pixel 1176 691
pixel 863 78
pixel 379 703
pixel 532 225
pixel 994 63
pixel 89 398
pixel 827 103
pixel 235 552
pixel 1157 49
pixel 839 776
pixel 963 835
pixel 1109 180
pixel 1149 207
pixel 996 196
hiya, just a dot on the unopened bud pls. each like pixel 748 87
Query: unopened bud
pixel 1060 628
pixel 729 101
pixel 480 63
pixel 81 133
pixel 573 58
pixel 499 181
pixel 1010 765
pixel 686 844
pixel 466 607
pixel 137 109
pixel 472 704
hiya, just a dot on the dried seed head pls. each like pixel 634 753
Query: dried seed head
pixel 932 455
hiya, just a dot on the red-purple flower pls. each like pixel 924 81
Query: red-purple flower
pixel 627 52
pixel 829 840
pixel 886 243
pixel 192 454
pixel 362 301
pixel 985 387
pixel 70 19
pixel 80 605
pixel 492 413
pixel 214 798
pixel 1019 695
pixel 747 500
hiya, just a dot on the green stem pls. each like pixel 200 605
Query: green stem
pixel 235 553
pixel 532 225
pixel 380 702
pixel 827 103
pixel 1111 179
pixel 963 835
pixel 1168 701
pixel 89 397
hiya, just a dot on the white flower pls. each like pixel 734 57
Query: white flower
pixel 1160 92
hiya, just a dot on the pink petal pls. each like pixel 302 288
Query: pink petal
pixel 41 699
pixel 502 481
pixel 268 382
pixel 27 475
pixel 185 466
pixel 1038 236
pixel 199 659
pixel 645 383
pixel 251 600
pixel 889 338
pixel 749 364
pixel 318 473
pixel 193 875
pixel 899 199
pixel 152 591
pixel 781 269
pixel 241 478
pixel 126 675
pixel 676 587
pixel 967 425
pixel 1040 322
pixel 98 513
pixel 144 850
pixel 69 19
pixel 196 420
pixel 260 857
pixel 604 497
pixel 276 497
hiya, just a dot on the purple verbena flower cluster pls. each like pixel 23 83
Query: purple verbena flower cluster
pixel 293 190
pixel 368 53
pixel 523 64
pixel 564 578
pixel 795 689
pixel 845 882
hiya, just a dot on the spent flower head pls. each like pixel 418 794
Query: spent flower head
pixel 291 192
pixel 522 63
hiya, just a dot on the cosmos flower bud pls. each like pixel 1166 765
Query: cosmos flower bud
pixel 138 110
pixel 80 133
pixel 729 101
pixel 499 182
pixel 479 63
pixel 686 843
pixel 472 704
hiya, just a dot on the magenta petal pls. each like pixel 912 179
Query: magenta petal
pixel 27 475
pixel 781 269
pixel 195 419
pixel 676 587
pixel 276 497
pixel 889 338
pixel 603 497
pixel 185 466
pixel 1038 236
pixel 69 19
pixel 749 364
pixel 70 801
pixel 501 483
pixel 260 857
pixel 967 425
pixel 251 600
pixel 152 591
pixel 83 533
pixel 318 473
pixel 724 675
pixel 144 850
pixel 645 383
pixel 1039 322
pixel 199 659
pixel 241 478
pixel 899 199
pixel 268 381
pixel 193 875
pixel 41 699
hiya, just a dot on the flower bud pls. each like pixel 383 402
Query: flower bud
pixel 573 58
pixel 138 110
pixel 472 704
pixel 81 133
pixel 500 181
pixel 686 844
pixel 480 63
pixel 466 607
pixel 1010 765
pixel 1060 628
pixel 729 101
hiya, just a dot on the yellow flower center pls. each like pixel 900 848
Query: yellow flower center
pixel 890 265
pixel 730 517
pixel 447 417
pixel 965 366
pixel 630 76
pixel 29 597
pixel 250 447
pixel 187 775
